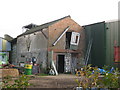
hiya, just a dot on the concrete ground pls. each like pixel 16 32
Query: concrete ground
pixel 66 81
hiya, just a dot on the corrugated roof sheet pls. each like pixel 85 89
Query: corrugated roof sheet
pixel 40 27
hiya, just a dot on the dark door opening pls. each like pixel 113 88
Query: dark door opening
pixel 61 63
pixel 68 39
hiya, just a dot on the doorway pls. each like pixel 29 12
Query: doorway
pixel 68 39
pixel 61 62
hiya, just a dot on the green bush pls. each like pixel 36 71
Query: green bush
pixel 20 82
pixel 88 79
pixel 110 80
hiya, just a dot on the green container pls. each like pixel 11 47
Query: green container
pixel 28 71
pixel 28 66
pixel 0 64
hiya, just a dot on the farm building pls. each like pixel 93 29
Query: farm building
pixel 61 41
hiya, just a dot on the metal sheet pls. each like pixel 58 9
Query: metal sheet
pixel 119 33
pixel 6 46
pixel 96 32
pixel 117 54
pixel 112 39
pixel 0 44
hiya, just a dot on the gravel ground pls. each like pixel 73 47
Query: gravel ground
pixel 61 81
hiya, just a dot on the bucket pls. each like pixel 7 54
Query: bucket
pixel 28 69
pixel 28 66
pixel 0 64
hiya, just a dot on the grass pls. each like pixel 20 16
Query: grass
pixel 42 74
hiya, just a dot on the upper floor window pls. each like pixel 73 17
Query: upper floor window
pixel 72 38
pixel 75 38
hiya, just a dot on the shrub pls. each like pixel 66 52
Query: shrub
pixel 89 77
pixel 20 82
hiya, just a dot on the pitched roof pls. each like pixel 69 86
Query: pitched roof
pixel 40 27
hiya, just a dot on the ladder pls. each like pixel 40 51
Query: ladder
pixel 88 51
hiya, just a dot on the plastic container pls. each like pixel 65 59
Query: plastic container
pixel 28 66
pixel 28 69
pixel 0 64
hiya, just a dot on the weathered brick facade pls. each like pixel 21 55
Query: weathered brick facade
pixel 42 39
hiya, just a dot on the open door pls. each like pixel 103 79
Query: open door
pixel 61 62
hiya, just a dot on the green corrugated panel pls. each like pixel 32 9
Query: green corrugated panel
pixel 105 37
pixel 112 39
pixel 97 33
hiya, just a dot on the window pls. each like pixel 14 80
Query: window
pixel 75 38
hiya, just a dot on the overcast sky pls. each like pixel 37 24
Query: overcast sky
pixel 17 13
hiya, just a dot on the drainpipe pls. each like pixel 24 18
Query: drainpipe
pixel 60 36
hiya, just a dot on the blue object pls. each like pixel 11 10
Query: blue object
pixel 111 70
pixel 102 71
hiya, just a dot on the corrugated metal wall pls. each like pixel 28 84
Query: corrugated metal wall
pixel 112 39
pixel 97 33
pixel 4 42
pixel 105 37
pixel 0 44
pixel 5 45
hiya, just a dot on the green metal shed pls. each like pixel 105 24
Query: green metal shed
pixel 112 40
pixel 96 33
pixel 106 36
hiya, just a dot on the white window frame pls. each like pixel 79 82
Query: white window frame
pixel 74 36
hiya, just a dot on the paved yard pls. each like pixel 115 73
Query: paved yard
pixel 61 81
